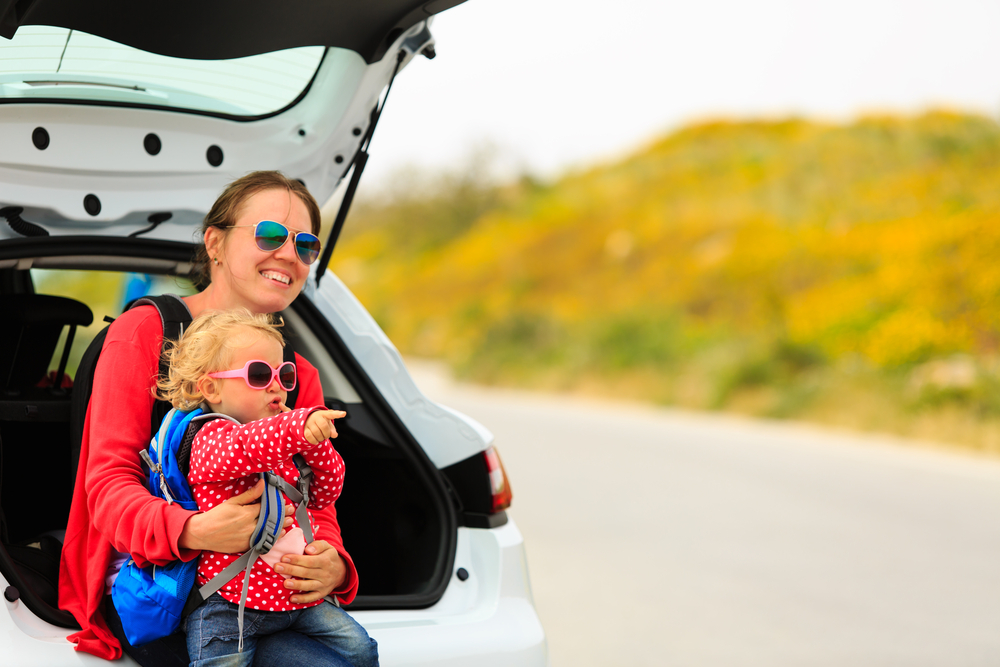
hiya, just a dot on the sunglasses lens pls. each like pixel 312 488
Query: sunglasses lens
pixel 307 246
pixel 270 235
pixel 286 376
pixel 259 375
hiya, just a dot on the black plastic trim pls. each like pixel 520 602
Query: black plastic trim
pixel 476 520
pixel 470 478
pixel 55 410
pixel 397 432
pixel 111 246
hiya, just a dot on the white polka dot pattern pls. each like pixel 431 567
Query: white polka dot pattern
pixel 226 459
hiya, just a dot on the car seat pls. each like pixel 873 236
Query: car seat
pixel 34 436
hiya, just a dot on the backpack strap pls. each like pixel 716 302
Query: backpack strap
pixel 302 489
pixel 174 315
pixel 175 318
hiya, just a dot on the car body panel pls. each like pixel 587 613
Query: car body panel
pixel 488 620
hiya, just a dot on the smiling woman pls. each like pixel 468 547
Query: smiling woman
pixel 45 63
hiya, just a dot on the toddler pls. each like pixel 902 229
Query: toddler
pixel 230 362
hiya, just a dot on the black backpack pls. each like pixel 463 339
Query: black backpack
pixel 176 317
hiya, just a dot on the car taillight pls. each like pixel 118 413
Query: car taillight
pixel 499 484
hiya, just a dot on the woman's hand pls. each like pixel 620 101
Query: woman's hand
pixel 315 574
pixel 227 527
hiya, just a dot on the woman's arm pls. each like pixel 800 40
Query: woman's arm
pixel 226 527
pixel 118 427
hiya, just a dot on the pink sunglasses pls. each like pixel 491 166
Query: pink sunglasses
pixel 259 375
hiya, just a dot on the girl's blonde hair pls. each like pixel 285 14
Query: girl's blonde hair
pixel 207 346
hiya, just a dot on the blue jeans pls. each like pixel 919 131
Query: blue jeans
pixel 283 649
pixel 213 635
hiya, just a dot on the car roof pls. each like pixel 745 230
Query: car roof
pixel 222 29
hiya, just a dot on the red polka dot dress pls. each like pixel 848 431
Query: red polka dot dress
pixel 226 459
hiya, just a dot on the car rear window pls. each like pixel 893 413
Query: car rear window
pixel 55 64
pixel 106 293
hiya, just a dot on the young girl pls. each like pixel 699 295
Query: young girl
pixel 231 363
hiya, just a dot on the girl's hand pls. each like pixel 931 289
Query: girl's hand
pixel 315 574
pixel 319 425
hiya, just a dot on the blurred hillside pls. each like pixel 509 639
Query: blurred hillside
pixel 846 274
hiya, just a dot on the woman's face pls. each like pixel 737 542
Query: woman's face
pixel 263 282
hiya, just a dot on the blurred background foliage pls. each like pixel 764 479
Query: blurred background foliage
pixel 841 273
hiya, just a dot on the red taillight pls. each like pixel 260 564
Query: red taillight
pixel 498 480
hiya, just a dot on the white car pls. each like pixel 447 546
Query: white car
pixel 119 125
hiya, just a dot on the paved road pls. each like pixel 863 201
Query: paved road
pixel 657 537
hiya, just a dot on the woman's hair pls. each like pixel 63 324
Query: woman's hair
pixel 206 347
pixel 227 208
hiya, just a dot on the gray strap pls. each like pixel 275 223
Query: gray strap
pixel 301 513
pixel 302 490
pixel 302 516
pixel 286 488
pixel 224 577
pixel 243 599
pixel 244 562
pixel 208 415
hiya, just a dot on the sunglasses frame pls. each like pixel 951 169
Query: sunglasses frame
pixel 288 235
pixel 245 374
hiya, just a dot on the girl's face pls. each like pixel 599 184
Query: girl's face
pixel 248 277
pixel 233 397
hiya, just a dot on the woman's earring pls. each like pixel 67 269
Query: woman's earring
pixel 216 260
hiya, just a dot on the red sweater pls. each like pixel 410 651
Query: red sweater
pixel 225 461
pixel 112 509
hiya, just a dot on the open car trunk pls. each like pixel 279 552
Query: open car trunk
pixel 397 520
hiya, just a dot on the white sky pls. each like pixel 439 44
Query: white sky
pixel 554 84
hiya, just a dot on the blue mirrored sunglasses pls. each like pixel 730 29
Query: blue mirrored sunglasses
pixel 270 235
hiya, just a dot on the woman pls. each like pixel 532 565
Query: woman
pixel 112 511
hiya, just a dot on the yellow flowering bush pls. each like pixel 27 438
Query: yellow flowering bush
pixel 726 241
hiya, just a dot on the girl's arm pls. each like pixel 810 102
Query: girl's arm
pixel 224 450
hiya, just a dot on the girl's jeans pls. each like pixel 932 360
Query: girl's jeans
pixel 213 634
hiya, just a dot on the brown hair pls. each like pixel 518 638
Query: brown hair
pixel 227 207
pixel 206 347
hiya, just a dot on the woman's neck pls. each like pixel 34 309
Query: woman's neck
pixel 211 298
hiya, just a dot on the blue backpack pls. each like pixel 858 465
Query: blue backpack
pixel 153 600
